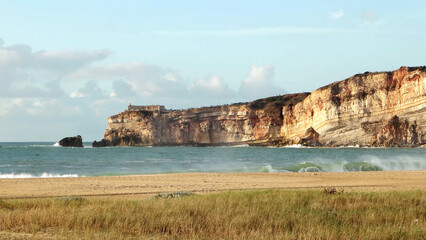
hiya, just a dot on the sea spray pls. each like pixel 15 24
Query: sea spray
pixel 401 162
pixel 360 166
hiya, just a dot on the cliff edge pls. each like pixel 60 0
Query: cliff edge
pixel 370 109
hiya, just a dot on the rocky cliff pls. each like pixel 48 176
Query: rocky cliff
pixel 370 109
pixel 258 122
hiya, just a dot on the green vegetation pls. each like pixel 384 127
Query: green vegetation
pixel 278 101
pixel 266 214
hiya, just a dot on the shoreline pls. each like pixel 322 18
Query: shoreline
pixel 149 184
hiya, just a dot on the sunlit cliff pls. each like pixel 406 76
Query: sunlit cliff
pixel 369 109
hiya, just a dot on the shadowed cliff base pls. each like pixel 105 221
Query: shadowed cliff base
pixel 379 109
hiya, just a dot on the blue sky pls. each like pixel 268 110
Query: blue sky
pixel 65 66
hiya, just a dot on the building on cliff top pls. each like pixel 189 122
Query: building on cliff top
pixel 151 108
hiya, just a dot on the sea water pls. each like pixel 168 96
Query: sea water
pixel 24 160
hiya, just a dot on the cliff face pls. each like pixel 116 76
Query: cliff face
pixel 360 111
pixel 259 121
pixel 374 109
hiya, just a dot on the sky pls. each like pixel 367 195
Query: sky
pixel 66 66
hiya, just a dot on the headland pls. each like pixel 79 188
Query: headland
pixel 374 109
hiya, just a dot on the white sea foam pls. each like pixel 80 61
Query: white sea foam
pixel 56 145
pixel 43 175
pixel 295 146
pixel 231 146
pixel 268 168
pixel 240 145
pixel 310 169
pixel 353 146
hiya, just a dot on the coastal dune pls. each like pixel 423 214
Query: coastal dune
pixel 143 185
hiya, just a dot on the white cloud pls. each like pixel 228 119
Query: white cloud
pixel 259 75
pixel 147 80
pixel 39 104
pixel 259 83
pixel 76 94
pixel 7 105
pixel 68 61
pixel 25 73
pixel 337 15
pixel 212 86
pixel 18 102
pixel 56 61
pixel 39 107
pixel 171 77
pixel 7 57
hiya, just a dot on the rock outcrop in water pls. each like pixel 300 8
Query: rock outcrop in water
pixel 76 141
pixel 370 109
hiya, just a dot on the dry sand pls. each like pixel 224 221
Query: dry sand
pixel 142 185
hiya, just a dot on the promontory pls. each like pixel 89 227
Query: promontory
pixel 371 109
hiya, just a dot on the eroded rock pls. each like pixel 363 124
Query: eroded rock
pixel 397 133
pixel 311 138
pixel 76 141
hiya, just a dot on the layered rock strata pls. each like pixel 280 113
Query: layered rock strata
pixel 370 109
pixel 358 110
pixel 258 122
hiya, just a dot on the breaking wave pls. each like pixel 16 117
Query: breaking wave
pixel 43 175
pixel 360 166
pixel 301 167
pixel 368 163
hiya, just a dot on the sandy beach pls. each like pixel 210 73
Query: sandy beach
pixel 142 185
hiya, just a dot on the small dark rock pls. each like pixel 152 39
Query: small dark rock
pixel 102 143
pixel 76 141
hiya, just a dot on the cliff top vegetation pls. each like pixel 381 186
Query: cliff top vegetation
pixel 278 101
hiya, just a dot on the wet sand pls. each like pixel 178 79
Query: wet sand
pixel 143 185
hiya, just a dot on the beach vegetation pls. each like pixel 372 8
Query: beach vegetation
pixel 255 214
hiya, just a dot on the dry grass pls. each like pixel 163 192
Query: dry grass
pixel 269 214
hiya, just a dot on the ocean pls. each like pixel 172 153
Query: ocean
pixel 43 159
